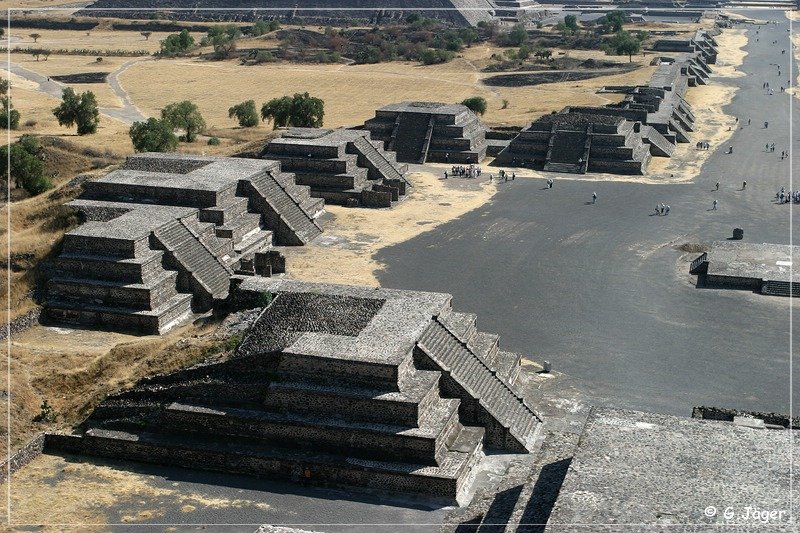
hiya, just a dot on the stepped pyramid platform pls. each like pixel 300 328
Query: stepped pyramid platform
pixel 618 138
pixel 373 388
pixel 420 132
pixel 764 268
pixel 573 142
pixel 162 236
pixel 340 166
pixel 516 11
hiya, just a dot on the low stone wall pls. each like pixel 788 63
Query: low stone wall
pixel 19 324
pixel 22 457
pixel 733 282
pixel 727 415
pixel 376 198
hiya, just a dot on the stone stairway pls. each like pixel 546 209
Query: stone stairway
pixel 410 136
pixel 453 357
pixel 564 168
pixel 781 288
pixel 208 277
pixel 281 208
pixel 378 161
pixel 659 146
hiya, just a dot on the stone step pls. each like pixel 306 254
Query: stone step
pixel 237 228
pixel 221 215
pixel 195 260
pixel 565 168
pixel 154 322
pixel 296 220
pixel 132 270
pixel 417 391
pixel 421 445
pixel 486 346
pixel 445 480
pixel 462 325
pixel 103 292
pixel 255 241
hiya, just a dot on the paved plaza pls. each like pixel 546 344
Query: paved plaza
pixel 603 292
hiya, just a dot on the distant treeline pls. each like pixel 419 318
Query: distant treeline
pixel 47 24
pixel 77 51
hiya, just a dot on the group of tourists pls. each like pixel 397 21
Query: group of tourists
pixel 472 171
pixel 703 145
pixel 662 209
pixel 784 197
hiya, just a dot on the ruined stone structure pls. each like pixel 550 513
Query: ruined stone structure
pixel 163 235
pixel 340 166
pixel 457 12
pixel 701 43
pixel 579 143
pixel 764 268
pixel 516 11
pixel 618 138
pixel 429 131
pixel 375 388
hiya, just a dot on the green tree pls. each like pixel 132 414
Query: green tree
pixel 185 116
pixel 177 44
pixel 81 110
pixel 261 26
pixel 153 136
pixel 543 54
pixel 245 113
pixel 35 36
pixel 571 22
pixel 9 117
pixel 27 168
pixel 3 86
pixel 476 104
pixel 623 43
pixel 223 40
pixel 300 110
pixel 612 22
pixel 277 110
pixel 524 52
pixel 146 35
pixel 517 35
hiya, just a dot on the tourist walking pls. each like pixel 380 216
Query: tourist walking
pixel 594 197
pixel 666 210
pixel 744 185
pixel 714 208
pixel 717 185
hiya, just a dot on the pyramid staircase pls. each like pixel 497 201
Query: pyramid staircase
pixel 411 137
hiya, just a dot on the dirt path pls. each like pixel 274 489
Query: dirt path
pixel 128 113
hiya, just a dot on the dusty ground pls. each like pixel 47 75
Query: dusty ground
pixel 102 487
pixel 345 252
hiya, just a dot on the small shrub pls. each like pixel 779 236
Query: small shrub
pixel 30 123
pixel 46 413
pixel 265 299
pixel 505 104
pixel 99 59
pixel 214 141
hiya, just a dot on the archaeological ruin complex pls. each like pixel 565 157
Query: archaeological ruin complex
pixel 341 166
pixel 618 138
pixel 373 388
pixel 162 236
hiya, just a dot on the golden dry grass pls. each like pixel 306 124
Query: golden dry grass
pixel 351 93
pixel 57 490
